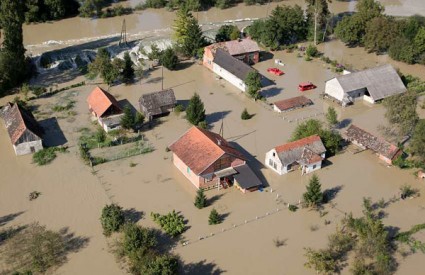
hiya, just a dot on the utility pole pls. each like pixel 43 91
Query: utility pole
pixel 162 77
pixel 315 22
pixel 123 39
pixel 221 133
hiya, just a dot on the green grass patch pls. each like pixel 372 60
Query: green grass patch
pixel 47 155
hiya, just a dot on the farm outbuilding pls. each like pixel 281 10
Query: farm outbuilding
pixel 157 103
pixel 307 154
pixel 365 140
pixel 105 109
pixel 24 131
pixel 291 104
pixel 371 85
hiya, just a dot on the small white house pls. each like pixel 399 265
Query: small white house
pixel 371 85
pixel 231 69
pixel 305 154
pixel 24 131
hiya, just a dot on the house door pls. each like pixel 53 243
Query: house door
pixel 32 149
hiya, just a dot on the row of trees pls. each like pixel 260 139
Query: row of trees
pixel 44 10
pixel 402 39
pixel 197 5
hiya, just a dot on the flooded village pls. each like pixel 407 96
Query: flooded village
pixel 253 170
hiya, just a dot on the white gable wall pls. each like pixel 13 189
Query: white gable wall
pixel 334 89
pixel 238 83
pixel 25 148
pixel 274 163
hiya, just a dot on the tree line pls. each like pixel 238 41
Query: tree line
pixel 198 5
pixel 402 38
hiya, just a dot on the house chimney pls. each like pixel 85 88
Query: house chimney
pixel 219 142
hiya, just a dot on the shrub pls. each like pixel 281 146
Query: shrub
pixel 312 51
pixel 292 208
pixel 172 223
pixel 200 200
pixel 245 115
pixel 407 191
pixel 46 155
pixel 112 219
pixel 137 238
pixel 203 124
pixel 179 108
pixel 214 217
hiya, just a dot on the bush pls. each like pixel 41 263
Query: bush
pixel 172 223
pixel 312 51
pixel 46 155
pixel 169 59
pixel 137 238
pixel 178 109
pixel 245 115
pixel 292 208
pixel 214 217
pixel 112 219
pixel 407 191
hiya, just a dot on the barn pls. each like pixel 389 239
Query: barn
pixel 24 131
pixel 157 103
pixel 371 85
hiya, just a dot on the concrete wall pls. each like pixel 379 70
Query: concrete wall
pixel 189 174
pixel 25 147
pixel 238 83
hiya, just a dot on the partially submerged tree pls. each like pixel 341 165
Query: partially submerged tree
pixel 253 83
pixel 214 217
pixel 201 199
pixel 417 145
pixel 331 116
pixel 313 197
pixel 112 218
pixel 188 33
pixel 226 33
pixel 169 59
pixel 195 111
pixel 401 112
pixel 128 70
pixel 103 66
pixel 172 223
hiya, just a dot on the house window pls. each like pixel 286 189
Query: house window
pixel 188 170
pixel 275 166
pixel 314 166
pixel 209 62
pixel 274 154
pixel 270 162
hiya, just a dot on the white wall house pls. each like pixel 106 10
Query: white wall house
pixel 229 77
pixel 305 154
pixel 371 85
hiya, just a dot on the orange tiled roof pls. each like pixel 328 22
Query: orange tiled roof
pixel 298 143
pixel 199 149
pixel 100 101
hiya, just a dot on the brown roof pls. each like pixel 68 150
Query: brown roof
pixel 18 121
pixel 100 101
pixel 236 47
pixel 305 151
pixel 371 142
pixel 157 103
pixel 292 103
pixel 199 149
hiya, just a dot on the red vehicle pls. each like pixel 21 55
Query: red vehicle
pixel 275 71
pixel 306 86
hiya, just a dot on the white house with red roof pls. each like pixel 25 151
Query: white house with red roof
pixel 306 154
pixel 209 161
pixel 105 108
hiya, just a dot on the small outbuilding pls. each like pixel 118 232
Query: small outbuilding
pixel 291 104
pixel 157 103
pixel 307 154
pixel 105 108
pixel 24 131
pixel 365 140
pixel 371 85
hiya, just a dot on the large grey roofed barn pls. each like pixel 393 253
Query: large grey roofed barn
pixel 231 64
pixel 381 82
pixel 157 103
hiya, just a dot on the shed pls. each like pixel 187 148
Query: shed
pixel 246 179
pixel 105 109
pixel 291 104
pixel 24 131
pixel 372 85
pixel 157 103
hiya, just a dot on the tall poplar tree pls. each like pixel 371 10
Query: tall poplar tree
pixel 13 68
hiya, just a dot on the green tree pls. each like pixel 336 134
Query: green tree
pixel 112 218
pixel 169 59
pixel 187 33
pixel 195 111
pixel 127 120
pixel 214 217
pixel 381 33
pixel 137 240
pixel 313 197
pixel 103 66
pixel 331 116
pixel 201 199
pixel 417 145
pixel 253 83
pixel 320 9
pixel 128 71
pixel 350 30
pixel 100 135
pixel 162 265
pixel 58 9
pixel 401 112
pixel 311 51
pixel 172 223
pixel 226 33
pixel 322 261
pixel 245 115
pixel 13 67
pixel 402 50
pixel 419 41
pixel 91 8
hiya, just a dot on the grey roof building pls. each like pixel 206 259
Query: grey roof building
pixel 157 103
pixel 232 65
pixel 373 85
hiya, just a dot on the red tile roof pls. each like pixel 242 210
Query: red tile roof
pixel 199 149
pixel 100 101
pixel 298 143
pixel 294 102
